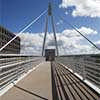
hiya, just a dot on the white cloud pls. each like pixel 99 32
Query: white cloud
pixel 66 13
pixel 83 7
pixel 60 22
pixel 31 43
pixel 98 43
pixel 83 30
pixel 68 42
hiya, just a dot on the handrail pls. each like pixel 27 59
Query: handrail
pixel 84 65
pixel 11 69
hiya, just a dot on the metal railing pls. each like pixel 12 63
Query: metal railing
pixel 13 66
pixel 88 66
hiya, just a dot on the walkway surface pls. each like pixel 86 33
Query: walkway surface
pixel 69 87
pixel 38 85
pixel 35 86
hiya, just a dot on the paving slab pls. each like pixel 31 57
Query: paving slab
pixel 35 86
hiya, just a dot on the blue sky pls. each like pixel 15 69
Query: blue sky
pixel 15 14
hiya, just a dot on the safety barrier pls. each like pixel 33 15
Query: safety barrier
pixel 13 66
pixel 88 66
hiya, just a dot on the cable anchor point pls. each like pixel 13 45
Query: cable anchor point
pixel 49 9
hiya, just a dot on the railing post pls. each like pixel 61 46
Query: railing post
pixel 83 68
pixel 74 66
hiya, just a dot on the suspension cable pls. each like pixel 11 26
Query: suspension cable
pixel 65 21
pixel 26 27
pixel 79 32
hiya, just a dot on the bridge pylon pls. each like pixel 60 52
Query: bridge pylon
pixel 50 14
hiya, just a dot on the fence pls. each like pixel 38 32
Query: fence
pixel 88 66
pixel 13 66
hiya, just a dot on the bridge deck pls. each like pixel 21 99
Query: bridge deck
pixel 37 85
pixel 69 87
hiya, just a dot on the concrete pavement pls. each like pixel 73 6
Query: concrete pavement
pixel 35 86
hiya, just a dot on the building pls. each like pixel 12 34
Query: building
pixel 50 54
pixel 13 47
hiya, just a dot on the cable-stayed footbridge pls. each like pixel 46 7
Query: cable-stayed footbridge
pixel 49 76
